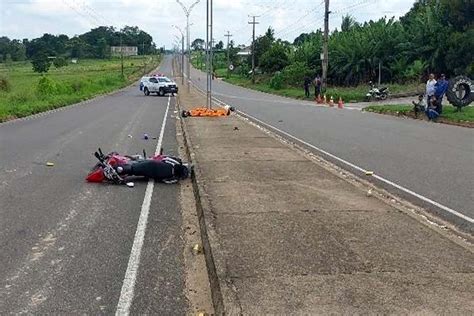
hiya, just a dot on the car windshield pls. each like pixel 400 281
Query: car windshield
pixel 164 79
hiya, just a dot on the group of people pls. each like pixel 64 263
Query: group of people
pixel 317 82
pixel 432 102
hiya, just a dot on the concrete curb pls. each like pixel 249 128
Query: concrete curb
pixel 224 299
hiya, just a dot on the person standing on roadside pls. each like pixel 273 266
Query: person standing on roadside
pixel 306 84
pixel 430 88
pixel 317 86
pixel 440 88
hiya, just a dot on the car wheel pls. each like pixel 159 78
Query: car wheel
pixel 146 91
pixel 161 92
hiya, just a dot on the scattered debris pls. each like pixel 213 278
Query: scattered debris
pixel 130 184
pixel 154 137
pixel 202 314
pixel 50 164
pixel 280 121
pixel 130 136
pixel 369 193
pixel 236 128
pixel 197 249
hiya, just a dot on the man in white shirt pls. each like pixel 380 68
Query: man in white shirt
pixel 430 88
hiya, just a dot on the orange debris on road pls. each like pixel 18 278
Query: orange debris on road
pixel 205 112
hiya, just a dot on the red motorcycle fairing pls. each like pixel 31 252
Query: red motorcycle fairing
pixel 96 174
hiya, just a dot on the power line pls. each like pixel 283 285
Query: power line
pixel 228 35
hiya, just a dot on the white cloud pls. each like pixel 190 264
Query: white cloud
pixel 32 18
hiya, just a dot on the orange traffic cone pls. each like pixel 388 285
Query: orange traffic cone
pixel 331 101
pixel 340 104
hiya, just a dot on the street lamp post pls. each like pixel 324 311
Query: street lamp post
pixel 187 12
pixel 182 54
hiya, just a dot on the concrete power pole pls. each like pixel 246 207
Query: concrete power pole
pixel 121 53
pixel 325 45
pixel 228 35
pixel 187 12
pixel 209 54
pixel 253 45
pixel 182 59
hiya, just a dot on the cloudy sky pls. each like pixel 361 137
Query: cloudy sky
pixel 31 18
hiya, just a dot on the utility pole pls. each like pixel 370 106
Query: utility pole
pixel 325 44
pixel 228 35
pixel 209 55
pixel 380 72
pixel 187 12
pixel 253 44
pixel 182 60
pixel 121 53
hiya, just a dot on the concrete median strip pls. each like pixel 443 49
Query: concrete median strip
pixel 284 234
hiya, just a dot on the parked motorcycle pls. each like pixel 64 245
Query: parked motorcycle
pixel 376 93
pixel 115 168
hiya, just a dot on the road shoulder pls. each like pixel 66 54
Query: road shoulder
pixel 283 233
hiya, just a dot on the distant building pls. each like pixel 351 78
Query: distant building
pixel 245 51
pixel 127 50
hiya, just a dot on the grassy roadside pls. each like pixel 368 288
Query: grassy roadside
pixel 30 93
pixel 348 94
pixel 450 115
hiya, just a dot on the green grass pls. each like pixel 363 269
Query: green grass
pixel 348 94
pixel 449 112
pixel 70 84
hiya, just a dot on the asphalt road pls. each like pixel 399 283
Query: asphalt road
pixel 432 160
pixel 65 244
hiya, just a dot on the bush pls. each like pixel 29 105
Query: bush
pixel 41 63
pixel 276 82
pixel 60 62
pixel 243 70
pixel 46 86
pixel 5 85
pixel 295 73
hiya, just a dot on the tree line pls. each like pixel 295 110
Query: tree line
pixel 433 36
pixel 93 44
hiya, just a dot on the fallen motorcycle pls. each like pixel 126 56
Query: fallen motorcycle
pixel 376 93
pixel 116 168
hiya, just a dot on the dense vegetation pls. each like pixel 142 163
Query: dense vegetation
pixel 434 36
pixel 93 44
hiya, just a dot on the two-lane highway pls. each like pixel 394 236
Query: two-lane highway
pixel 66 244
pixel 434 162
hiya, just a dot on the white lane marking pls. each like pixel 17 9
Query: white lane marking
pixel 399 187
pixel 128 286
pixel 421 197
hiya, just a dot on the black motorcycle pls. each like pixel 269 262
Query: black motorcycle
pixel 377 93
